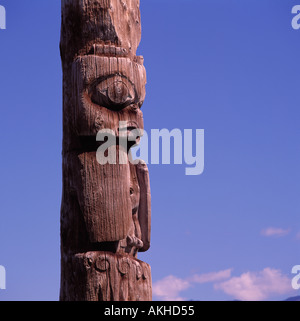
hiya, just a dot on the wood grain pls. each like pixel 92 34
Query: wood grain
pixel 106 208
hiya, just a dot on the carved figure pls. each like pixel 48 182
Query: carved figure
pixel 106 208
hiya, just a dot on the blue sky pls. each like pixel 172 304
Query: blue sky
pixel 228 67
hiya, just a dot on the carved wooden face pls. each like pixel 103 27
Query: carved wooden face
pixel 108 90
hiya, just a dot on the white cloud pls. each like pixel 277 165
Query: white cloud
pixel 211 277
pixel 169 288
pixel 256 286
pixel 249 286
pixel 275 231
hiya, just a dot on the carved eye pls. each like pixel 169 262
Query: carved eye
pixel 114 93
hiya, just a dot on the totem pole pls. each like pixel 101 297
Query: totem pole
pixel 105 212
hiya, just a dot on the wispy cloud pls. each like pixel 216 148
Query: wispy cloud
pixel 169 288
pixel 256 286
pixel 211 277
pixel 275 231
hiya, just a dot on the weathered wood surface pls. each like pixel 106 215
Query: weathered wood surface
pixel 106 209
pixel 107 277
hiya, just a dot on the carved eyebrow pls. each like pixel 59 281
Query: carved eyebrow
pixel 115 66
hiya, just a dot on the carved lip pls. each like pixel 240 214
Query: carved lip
pixel 89 143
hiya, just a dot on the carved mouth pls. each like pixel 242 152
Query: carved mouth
pixel 131 134
pixel 89 143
